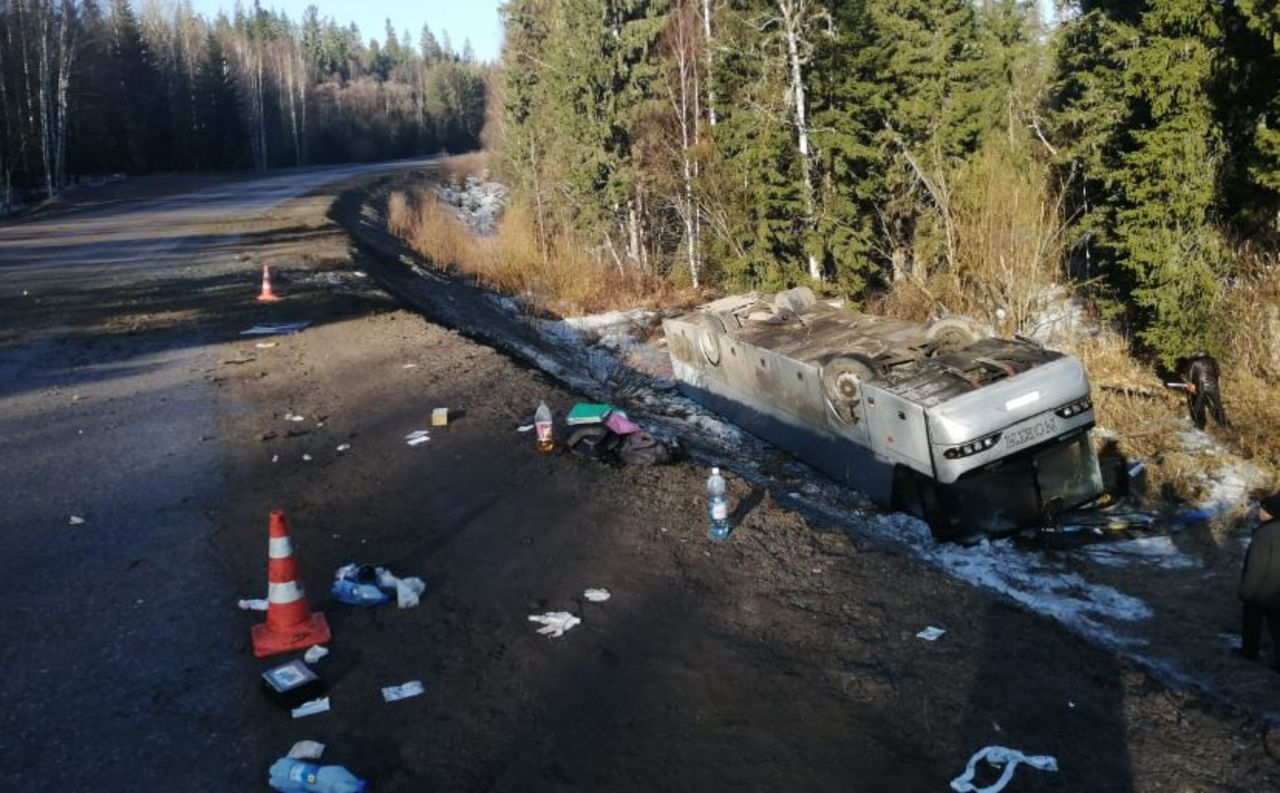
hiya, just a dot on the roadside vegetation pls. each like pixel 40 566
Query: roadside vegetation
pixel 89 89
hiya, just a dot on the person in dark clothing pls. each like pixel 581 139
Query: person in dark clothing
pixel 1200 372
pixel 1260 583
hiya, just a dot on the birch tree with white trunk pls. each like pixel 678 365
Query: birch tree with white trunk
pixel 796 23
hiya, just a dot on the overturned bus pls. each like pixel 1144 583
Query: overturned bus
pixel 972 434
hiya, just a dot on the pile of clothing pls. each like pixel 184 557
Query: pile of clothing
pixel 602 432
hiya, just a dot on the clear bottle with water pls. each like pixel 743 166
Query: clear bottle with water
pixel 717 506
pixel 290 775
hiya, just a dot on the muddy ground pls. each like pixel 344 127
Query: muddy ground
pixel 783 659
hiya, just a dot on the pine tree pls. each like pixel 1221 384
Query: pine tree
pixel 1152 159
pixel 933 72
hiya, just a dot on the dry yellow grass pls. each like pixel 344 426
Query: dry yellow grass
pixel 566 281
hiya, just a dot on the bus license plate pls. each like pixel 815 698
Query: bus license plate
pixel 1033 433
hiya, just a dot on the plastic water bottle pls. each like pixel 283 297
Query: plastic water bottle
pixel 545 429
pixel 290 775
pixel 717 506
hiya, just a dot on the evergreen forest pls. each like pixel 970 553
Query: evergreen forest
pixel 90 89
pixel 964 152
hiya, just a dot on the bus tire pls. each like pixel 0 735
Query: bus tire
pixel 842 379
pixel 954 333
pixel 710 329
pixel 797 300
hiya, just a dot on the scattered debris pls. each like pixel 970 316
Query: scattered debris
pixel 253 604
pixel 290 685
pixel 417 437
pixel 294 417
pixel 314 653
pixel 306 750
pixel 619 424
pixel 342 447
pixel 75 520
pixel 930 634
pixel 411 689
pixel 596 595
pixel 408 590
pixel 306 458
pixel 554 623
pixel 308 708
pixel 294 775
pixel 357 585
pixel 439 417
pixel 275 458
pixel 266 345
pixel 359 273
pixel 409 366
pixel 275 330
pixel 1000 755
pixel 524 428
pixel 240 360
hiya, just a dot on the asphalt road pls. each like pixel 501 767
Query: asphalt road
pixel 116 629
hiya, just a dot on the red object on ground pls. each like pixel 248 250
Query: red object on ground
pixel 290 625
pixel 266 295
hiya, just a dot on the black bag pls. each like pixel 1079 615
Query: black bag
pixel 641 448
pixel 595 441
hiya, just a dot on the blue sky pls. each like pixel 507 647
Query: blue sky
pixel 473 19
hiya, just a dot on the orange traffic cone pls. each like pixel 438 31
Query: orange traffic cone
pixel 290 624
pixel 266 295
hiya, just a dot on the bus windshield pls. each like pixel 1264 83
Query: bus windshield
pixel 1025 489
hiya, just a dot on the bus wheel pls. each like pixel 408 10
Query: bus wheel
pixel 797 300
pixel 842 379
pixel 954 333
pixel 710 329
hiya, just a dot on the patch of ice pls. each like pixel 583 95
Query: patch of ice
pixel 1229 484
pixel 616 322
pixel 1158 551
pixel 715 427
pixel 1024 576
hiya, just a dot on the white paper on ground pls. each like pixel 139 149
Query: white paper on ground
pixel 75 520
pixel 403 691
pixel 314 653
pixel 307 750
pixel 524 428
pixel 314 706
pixel 342 447
pixel 930 634
pixel 272 330
pixel 253 604
pixel 1000 755
pixel 596 595
pixel 294 417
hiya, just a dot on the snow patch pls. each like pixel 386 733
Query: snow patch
pixel 475 202
pixel 1026 577
pixel 1159 551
